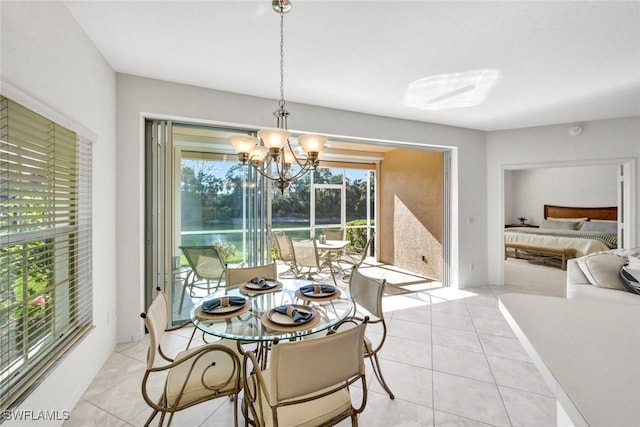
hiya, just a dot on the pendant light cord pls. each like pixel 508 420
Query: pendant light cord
pixel 281 103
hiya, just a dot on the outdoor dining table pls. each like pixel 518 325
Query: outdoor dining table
pixel 332 245
pixel 332 249
pixel 256 320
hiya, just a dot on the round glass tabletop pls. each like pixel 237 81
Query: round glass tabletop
pixel 284 311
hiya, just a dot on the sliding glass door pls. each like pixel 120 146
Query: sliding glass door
pixel 199 195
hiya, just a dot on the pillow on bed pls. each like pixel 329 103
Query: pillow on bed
pixel 559 225
pixel 603 270
pixel 603 227
pixel 580 221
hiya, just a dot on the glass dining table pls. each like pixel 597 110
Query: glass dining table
pixel 287 310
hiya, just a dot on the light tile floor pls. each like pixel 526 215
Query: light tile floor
pixel 450 358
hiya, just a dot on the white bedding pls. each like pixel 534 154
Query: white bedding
pixel 582 245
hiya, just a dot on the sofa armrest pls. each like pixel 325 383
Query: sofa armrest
pixel 575 276
pixel 579 287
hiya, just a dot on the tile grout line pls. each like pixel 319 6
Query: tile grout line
pixel 506 411
pixel 433 387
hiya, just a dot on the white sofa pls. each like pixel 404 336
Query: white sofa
pixel 597 276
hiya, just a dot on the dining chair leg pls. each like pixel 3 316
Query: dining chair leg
pixel 151 417
pixel 375 363
pixel 235 398
pixel 193 334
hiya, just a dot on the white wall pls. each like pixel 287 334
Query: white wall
pixel 531 189
pixel 48 57
pixel 613 141
pixel 139 96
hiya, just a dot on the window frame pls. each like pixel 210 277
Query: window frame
pixel 46 194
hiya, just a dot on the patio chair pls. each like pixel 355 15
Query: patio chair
pixel 284 252
pixel 354 259
pixel 334 234
pixel 307 382
pixel 207 267
pixel 192 377
pixel 305 256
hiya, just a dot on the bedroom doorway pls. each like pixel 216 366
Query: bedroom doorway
pixel 588 184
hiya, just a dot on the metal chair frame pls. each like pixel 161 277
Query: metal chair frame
pixel 284 253
pixel 354 259
pixel 367 293
pixel 192 367
pixel 305 256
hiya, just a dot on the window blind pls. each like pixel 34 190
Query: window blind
pixel 45 245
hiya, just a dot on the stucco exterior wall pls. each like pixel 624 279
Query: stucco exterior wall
pixel 411 218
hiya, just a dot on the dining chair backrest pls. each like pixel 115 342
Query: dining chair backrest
pixel 155 320
pixel 238 276
pixel 367 292
pixel 205 262
pixel 334 234
pixel 305 252
pixel 302 367
pixel 284 249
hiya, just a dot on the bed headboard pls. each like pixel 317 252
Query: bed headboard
pixel 607 213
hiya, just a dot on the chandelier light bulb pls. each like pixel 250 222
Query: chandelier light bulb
pixel 274 138
pixel 289 158
pixel 258 154
pixel 243 145
pixel 312 143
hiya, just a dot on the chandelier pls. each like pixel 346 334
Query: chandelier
pixel 272 153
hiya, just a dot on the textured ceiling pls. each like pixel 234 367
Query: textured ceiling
pixel 553 62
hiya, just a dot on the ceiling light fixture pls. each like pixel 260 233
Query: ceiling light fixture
pixel 271 153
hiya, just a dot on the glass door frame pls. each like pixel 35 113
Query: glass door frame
pixel 162 208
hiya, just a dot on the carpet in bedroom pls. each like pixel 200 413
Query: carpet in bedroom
pixel 538 279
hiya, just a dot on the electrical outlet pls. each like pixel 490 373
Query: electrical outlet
pixel 471 266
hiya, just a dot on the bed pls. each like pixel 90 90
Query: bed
pixel 566 232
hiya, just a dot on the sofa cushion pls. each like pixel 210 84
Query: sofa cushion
pixel 633 267
pixel 603 270
pixel 630 275
pixel 629 281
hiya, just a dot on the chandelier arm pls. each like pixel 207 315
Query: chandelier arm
pixel 304 169
pixel 266 165
pixel 295 157
pixel 266 175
